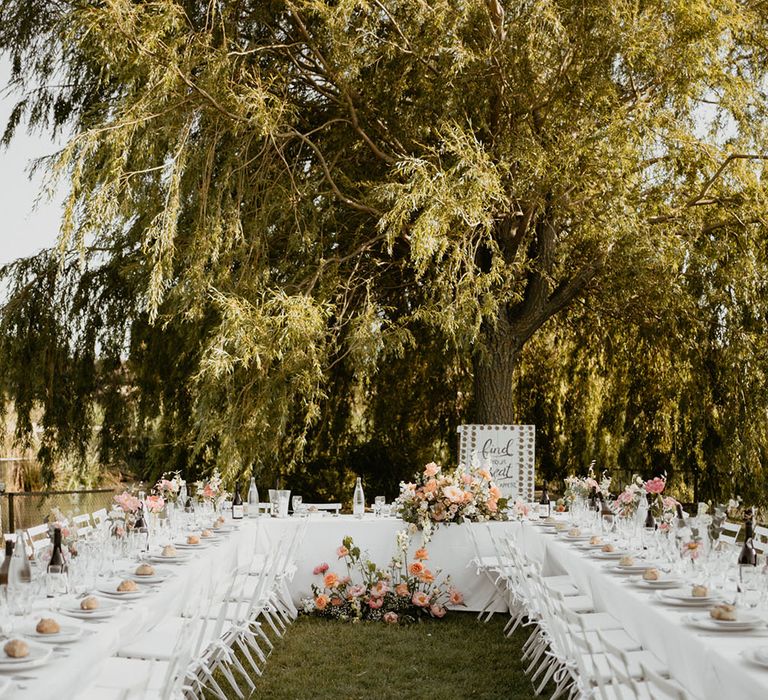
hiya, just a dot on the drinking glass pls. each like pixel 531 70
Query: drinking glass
pixel 274 507
pixel 378 502
pixel 296 501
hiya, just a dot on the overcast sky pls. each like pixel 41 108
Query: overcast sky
pixel 24 227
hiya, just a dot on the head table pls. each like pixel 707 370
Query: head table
pixel 709 665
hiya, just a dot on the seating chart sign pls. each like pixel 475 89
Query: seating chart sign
pixel 506 451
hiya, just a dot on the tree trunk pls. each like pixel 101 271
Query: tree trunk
pixel 493 372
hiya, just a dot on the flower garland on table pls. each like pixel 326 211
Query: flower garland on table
pixel 404 592
pixel 436 496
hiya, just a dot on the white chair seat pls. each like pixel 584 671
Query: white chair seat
pixel 598 667
pixel 618 637
pixel 160 641
pixel 118 677
pixel 599 621
pixel 579 603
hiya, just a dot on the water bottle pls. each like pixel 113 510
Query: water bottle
pixel 358 500
pixel 253 500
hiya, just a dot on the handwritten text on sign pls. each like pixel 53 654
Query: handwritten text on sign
pixel 507 451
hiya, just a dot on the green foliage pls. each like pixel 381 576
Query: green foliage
pixel 297 230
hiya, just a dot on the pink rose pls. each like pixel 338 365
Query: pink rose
pixel 375 603
pixel 655 485
pixel 437 610
pixel 455 597
pixel 380 589
pixel 320 569
pixel 420 599
pixel 356 591
pixel 431 469
pixel 402 590
pixel 342 552
pixel 155 504
pixel 390 618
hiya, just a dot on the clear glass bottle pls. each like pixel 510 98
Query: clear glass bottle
pixel 253 499
pixel 358 499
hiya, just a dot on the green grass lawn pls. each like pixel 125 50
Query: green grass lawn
pixel 457 657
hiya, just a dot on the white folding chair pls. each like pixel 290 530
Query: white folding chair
pixel 729 532
pixel 760 539
pixel 82 524
pixel 37 538
pixel 99 517
pixel 661 688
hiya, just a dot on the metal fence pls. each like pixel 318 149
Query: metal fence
pixel 24 509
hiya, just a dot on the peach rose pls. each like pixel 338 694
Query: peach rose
pixel 416 568
pixel 468 497
pixel 466 479
pixel 330 580
pixel 420 599
pixel 495 491
pixel 437 610
pixel 455 597
pixel 390 618
pixel 426 576
pixel 485 474
pixel 380 589
pixel 402 590
pixel 321 602
pixel 493 505
pixel 375 603
pixel 430 486
pixel 454 494
pixel 336 602
pixel 421 554
pixel 342 552
pixel 431 469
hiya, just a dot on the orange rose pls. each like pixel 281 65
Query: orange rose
pixel 416 568
pixel 426 576
pixel 455 597
pixel 336 602
pixel 421 554
pixel 321 602
pixel 330 580
pixel 402 590
pixel 495 491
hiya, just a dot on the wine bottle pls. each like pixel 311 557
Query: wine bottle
pixel 748 554
pixel 545 509
pixel 358 499
pixel 57 579
pixel 253 499
pixel 6 563
pixel 140 523
pixel 650 521
pixel 237 503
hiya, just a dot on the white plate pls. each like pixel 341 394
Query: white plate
pixel 69 632
pixel 746 623
pixel 38 655
pixel 684 596
pixel 106 608
pixel 178 559
pixel 663 582
pixel 159 576
pixel 186 545
pixel 110 589
pixel 576 538
pixel 609 555
pixel 664 597
pixel 634 568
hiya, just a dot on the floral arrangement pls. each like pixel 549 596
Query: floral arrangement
pixel 68 534
pixel 211 490
pixel 127 502
pixel 404 592
pixel 154 504
pixel 583 486
pixel 169 486
pixel 438 496
pixel 628 501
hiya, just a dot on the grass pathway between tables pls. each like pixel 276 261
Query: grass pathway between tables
pixel 454 658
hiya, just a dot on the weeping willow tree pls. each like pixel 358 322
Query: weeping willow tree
pixel 285 217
